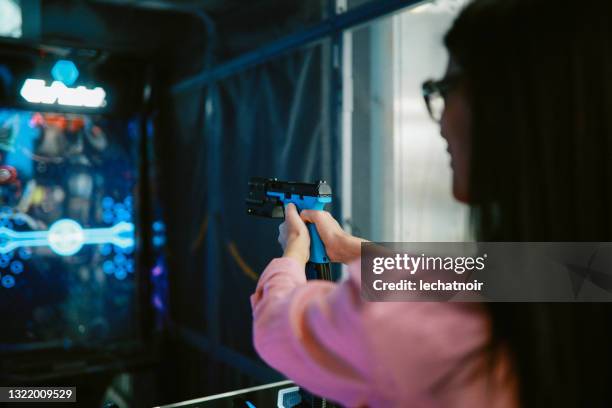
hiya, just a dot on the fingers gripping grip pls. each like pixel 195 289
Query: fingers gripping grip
pixel 318 254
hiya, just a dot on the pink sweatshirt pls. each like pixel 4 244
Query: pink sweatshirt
pixel 323 336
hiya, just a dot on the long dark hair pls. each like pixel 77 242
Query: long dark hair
pixel 539 79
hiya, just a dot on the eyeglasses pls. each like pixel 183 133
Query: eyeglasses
pixel 435 92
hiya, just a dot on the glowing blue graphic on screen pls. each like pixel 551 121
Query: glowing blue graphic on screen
pixel 66 237
pixel 8 281
pixel 68 271
pixel 65 71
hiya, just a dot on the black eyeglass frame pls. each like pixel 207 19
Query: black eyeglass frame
pixel 441 87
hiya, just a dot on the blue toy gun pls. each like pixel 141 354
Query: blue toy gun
pixel 268 197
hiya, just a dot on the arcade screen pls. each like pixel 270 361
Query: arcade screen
pixel 67 267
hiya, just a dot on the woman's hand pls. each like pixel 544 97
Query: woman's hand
pixel 339 245
pixel 293 236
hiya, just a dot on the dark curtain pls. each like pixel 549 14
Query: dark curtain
pixel 268 121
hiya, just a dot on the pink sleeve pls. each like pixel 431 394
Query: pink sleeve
pixel 325 338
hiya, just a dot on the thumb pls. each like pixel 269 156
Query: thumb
pixel 311 216
pixel 291 213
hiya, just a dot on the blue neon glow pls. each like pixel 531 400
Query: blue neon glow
pixel 159 237
pixel 123 215
pixel 65 71
pixel 108 217
pixel 250 404
pixel 159 240
pixel 25 253
pixel 6 257
pixel 108 267
pixel 66 237
pixel 116 212
pixel 119 207
pixel 5 260
pixel 16 267
pixel 120 273
pixel 120 259
pixel 106 249
pixel 107 203
pixel 8 281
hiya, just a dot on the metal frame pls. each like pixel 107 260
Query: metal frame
pixel 228 394
pixel 345 131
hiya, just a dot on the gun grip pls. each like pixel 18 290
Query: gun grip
pixel 318 254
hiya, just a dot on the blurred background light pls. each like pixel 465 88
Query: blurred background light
pixel 10 19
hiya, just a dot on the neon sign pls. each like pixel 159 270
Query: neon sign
pixel 37 91
pixel 64 74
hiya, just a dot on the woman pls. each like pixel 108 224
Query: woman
pixel 527 115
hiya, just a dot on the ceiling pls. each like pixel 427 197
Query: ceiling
pixel 173 33
pixel 241 25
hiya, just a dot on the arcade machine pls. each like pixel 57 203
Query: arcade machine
pixel 74 229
